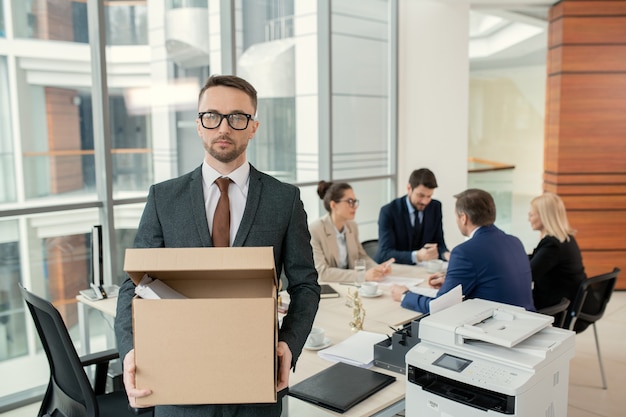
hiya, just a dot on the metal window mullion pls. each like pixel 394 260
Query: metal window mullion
pixel 324 105
pixel 227 36
pixel 101 132
pixel 392 122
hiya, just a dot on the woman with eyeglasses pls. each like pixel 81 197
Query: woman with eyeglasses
pixel 335 237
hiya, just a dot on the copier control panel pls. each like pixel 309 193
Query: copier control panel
pixel 482 372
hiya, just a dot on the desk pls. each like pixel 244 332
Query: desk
pixel 333 315
pixel 107 306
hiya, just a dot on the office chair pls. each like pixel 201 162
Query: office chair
pixel 69 391
pixel 370 246
pixel 558 311
pixel 589 305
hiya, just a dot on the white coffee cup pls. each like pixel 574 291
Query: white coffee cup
pixel 369 288
pixel 434 265
pixel 316 337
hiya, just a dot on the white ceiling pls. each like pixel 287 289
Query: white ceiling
pixel 507 32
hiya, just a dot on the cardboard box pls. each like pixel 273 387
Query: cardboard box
pixel 218 346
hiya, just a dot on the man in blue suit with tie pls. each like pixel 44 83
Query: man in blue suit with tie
pixel 259 210
pixel 490 264
pixel 410 228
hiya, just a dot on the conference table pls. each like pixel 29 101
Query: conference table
pixel 382 314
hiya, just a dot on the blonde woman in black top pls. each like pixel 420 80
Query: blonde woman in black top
pixel 556 262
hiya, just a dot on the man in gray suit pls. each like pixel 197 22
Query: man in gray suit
pixel 263 212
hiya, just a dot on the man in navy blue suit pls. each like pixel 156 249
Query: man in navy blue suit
pixel 490 264
pixel 410 227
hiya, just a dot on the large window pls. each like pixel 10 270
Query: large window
pixel 75 152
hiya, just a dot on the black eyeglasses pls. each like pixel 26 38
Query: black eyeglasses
pixel 212 120
pixel 351 202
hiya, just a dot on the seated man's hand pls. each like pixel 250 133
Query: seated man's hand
pixel 129 381
pixel 436 280
pixel 428 252
pixel 397 291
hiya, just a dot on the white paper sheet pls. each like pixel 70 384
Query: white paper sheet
pixel 452 297
pixel 154 289
pixel 392 279
pixel 427 291
pixel 356 350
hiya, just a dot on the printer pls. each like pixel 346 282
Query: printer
pixel 483 358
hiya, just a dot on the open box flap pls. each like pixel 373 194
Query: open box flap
pixel 185 264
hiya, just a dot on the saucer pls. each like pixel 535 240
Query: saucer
pixel 324 345
pixel 378 294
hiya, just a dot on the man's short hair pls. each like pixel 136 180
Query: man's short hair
pixel 423 176
pixel 478 206
pixel 230 81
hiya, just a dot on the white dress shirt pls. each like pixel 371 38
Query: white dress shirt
pixel 237 194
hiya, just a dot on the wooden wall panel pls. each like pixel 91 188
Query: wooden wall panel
pixel 594 30
pixel 599 262
pixel 585 126
pixel 583 58
pixel 594 202
pixel 575 179
pixel 596 227
pixel 595 8
pixel 587 189
pixel 552 124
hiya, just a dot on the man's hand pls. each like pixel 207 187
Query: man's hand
pixel 397 291
pixel 129 381
pixel 284 365
pixel 428 252
pixel 436 280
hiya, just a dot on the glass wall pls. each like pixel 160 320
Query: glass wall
pixel 60 175
pixel 12 318
pixel 7 162
pixel 126 21
pixel 361 143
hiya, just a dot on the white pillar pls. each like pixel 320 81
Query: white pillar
pixel 433 99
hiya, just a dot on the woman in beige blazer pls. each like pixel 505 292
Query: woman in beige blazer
pixel 335 237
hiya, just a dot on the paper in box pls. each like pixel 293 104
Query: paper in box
pixel 219 345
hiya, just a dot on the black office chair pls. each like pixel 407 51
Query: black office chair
pixel 69 391
pixel 589 305
pixel 558 311
pixel 370 246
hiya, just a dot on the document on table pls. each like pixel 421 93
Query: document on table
pixel 427 291
pixel 357 350
pixel 393 279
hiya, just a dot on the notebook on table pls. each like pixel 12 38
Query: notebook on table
pixel 327 291
pixel 340 387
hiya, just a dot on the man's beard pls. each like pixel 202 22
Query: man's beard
pixel 222 155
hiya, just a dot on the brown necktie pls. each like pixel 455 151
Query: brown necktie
pixel 221 217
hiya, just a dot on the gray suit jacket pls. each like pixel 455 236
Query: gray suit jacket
pixel 175 216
